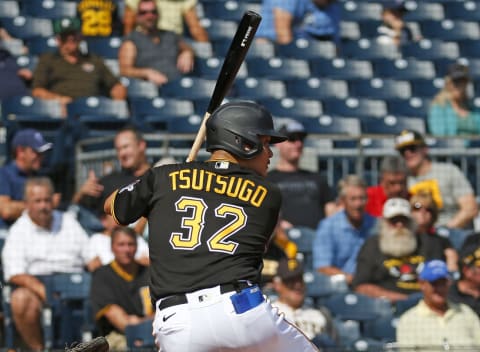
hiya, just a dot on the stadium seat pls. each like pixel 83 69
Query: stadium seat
pixel 209 68
pixel 404 69
pixel 378 88
pixel 257 49
pixel 31 106
pixel 201 49
pixel 463 10
pixel 402 306
pixel 141 106
pixel 320 287
pixel 339 68
pixel 361 108
pixel 51 9
pixel 333 125
pixel 450 30
pixel 412 107
pixel 360 11
pixel 392 125
pixel 426 88
pixel 307 49
pixel 293 108
pixel 97 106
pixel 302 237
pixel 139 336
pixel 354 306
pixel 423 11
pixel 106 47
pixel 381 329
pixel 219 28
pixel 315 88
pixel 278 68
pixel 40 45
pixel 427 49
pixel 189 124
pixel 27 61
pixel 9 8
pixel 231 10
pixel 367 344
pixel 469 48
pixel 369 29
pixel 350 30
pixel 188 88
pixel 100 125
pixel 366 49
pixel 257 89
pixel 140 88
pixel 26 27
pixel 348 331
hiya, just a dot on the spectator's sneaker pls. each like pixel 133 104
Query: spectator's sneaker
pixel 98 344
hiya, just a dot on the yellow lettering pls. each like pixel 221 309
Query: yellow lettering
pixel 245 193
pixel 259 196
pixel 197 176
pixel 222 181
pixel 185 177
pixel 208 184
pixel 173 176
pixel 232 182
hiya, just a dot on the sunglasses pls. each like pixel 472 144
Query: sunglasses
pixel 418 206
pixel 296 137
pixel 145 12
pixel 410 148
pixel 396 219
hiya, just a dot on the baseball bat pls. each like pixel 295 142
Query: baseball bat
pixel 233 60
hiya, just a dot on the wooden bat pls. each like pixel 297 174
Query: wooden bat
pixel 233 60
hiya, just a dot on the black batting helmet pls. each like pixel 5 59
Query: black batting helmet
pixel 235 127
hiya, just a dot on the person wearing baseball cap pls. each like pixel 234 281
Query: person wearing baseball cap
pixel 452 192
pixel 27 147
pixel 467 289
pixel 394 30
pixel 436 321
pixel 452 112
pixel 388 263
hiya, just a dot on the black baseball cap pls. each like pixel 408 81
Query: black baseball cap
pixel 470 255
pixel 407 138
pixel 289 269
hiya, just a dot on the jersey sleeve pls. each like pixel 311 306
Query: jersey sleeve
pixel 132 201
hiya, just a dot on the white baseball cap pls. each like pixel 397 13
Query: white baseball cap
pixel 396 207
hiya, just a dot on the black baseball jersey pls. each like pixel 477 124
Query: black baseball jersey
pixel 209 223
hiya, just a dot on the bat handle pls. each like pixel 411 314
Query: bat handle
pixel 199 138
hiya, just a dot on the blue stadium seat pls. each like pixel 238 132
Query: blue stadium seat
pixel 141 106
pixel 450 30
pixel 320 287
pixel 189 124
pixel 369 29
pixel 101 125
pixel 392 125
pixel 228 10
pixel 378 88
pixel 361 108
pixel 26 27
pixel 315 88
pixel 97 106
pixel 139 336
pixel 350 30
pixel 188 88
pixel 210 68
pixel 9 8
pixel 28 105
pixel 50 9
pixel 348 331
pixel 473 64
pixel 106 47
pixel 463 10
pixel 422 11
pixel 257 49
pixel 219 28
pixel 307 49
pixel 426 88
pixel 469 48
pixel 404 305
pixel 277 68
pixel 303 237
pixel 294 108
pixel 360 11
pixel 354 306
pixel 404 69
pixel 27 61
pixel 257 89
pixel 412 107
pixel 381 329
pixel 340 68
pixel 140 88
pixel 201 49
pixel 333 125
pixel 427 49
pixel 367 344
pixel 366 49
pixel 40 45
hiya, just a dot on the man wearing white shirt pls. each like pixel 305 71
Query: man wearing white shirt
pixel 42 241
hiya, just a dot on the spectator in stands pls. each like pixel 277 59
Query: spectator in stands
pixel 435 322
pixel 13 79
pixel 174 14
pixel 340 236
pixel 152 54
pixel 284 21
pixel 290 287
pixel 467 289
pixel 388 263
pixel 305 193
pixel 42 241
pixel 393 29
pixel 131 154
pixel 425 214
pixel 452 112
pixel 28 149
pixel 393 184
pixel 68 73
pixel 444 181
pixel 119 292
pixel 101 247
pixel 100 18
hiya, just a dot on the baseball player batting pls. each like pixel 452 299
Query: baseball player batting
pixel 210 223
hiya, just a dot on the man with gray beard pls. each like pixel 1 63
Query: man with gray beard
pixel 389 262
